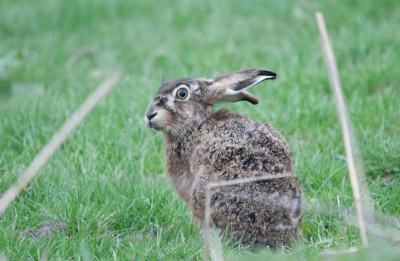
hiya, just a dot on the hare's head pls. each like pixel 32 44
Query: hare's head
pixel 182 105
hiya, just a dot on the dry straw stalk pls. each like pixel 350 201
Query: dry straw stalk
pixel 65 131
pixel 353 163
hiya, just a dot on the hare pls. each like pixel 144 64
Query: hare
pixel 203 146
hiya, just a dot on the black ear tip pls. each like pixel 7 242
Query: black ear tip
pixel 270 74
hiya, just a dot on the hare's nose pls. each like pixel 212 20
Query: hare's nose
pixel 150 113
pixel 148 117
pixel 151 116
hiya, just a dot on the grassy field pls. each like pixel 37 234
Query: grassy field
pixel 108 181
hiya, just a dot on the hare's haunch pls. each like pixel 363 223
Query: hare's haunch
pixel 203 146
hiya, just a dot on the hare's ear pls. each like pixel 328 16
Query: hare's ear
pixel 231 86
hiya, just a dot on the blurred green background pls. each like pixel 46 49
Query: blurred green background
pixel 108 181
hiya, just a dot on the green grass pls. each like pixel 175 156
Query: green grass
pixel 108 181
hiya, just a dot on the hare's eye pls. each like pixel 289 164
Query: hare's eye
pixel 182 93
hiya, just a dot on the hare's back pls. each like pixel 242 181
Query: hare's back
pixel 232 143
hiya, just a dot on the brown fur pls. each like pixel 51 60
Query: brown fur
pixel 202 146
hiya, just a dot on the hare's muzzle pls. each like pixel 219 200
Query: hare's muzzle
pixel 149 115
pixel 152 117
pixel 148 119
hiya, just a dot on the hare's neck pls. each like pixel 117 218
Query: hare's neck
pixel 178 166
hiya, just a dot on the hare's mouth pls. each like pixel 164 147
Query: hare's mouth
pixel 157 128
pixel 153 124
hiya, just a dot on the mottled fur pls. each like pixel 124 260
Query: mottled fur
pixel 202 146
